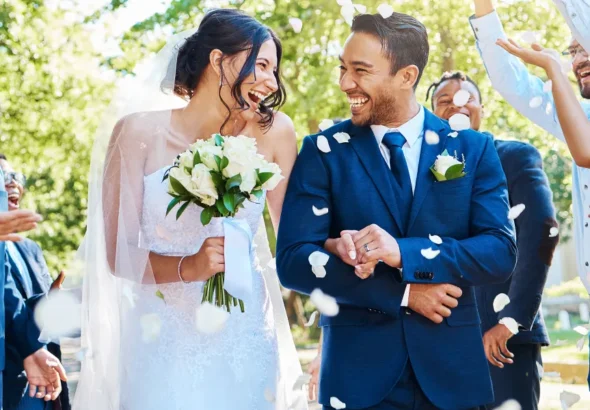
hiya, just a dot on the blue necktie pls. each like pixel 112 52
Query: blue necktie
pixel 401 183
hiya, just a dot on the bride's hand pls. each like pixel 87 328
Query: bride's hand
pixel 207 262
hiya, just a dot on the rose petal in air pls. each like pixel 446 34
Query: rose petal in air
pixel 336 403
pixel 435 239
pixel 319 271
pixel 360 8
pixel 318 258
pixel 429 253
pixel 511 324
pixel 151 324
pixel 311 320
pixel 459 122
pixel 553 232
pixel 347 11
pixel 454 134
pixel 536 102
pixel 325 124
pixel 510 404
pixel 431 137
pixel 549 108
pixel 568 399
pixel 548 86
pixel 385 10
pixel 323 144
pixel 583 330
pixel 529 37
pixel 515 211
pixel 301 381
pixel 500 302
pixel 461 98
pixel 210 318
pixel 560 342
pixel 342 137
pixel 319 212
pixel 296 24
pixel 58 314
pixel 272 264
pixel 326 304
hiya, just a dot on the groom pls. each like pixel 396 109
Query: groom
pixel 407 334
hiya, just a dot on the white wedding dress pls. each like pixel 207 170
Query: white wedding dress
pixel 236 368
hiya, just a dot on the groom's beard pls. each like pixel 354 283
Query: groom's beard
pixel 383 112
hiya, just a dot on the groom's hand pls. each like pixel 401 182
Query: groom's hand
pixel 495 344
pixel 434 302
pixel 374 244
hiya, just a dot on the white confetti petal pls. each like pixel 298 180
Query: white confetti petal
pixel 515 211
pixel 500 302
pixel 325 124
pixel 561 342
pixel 336 403
pixel 540 369
pixel 583 330
pixel 272 264
pixel 385 10
pixel 151 324
pixel 269 396
pixel 511 324
pixel 58 315
pixel 320 212
pixel 311 320
pixel 342 137
pixel 347 11
pixel 301 381
pixel 429 253
pixel 318 258
pixel 360 8
pixel 435 239
pixel 319 271
pixel 343 2
pixel 548 86
pixel 210 318
pixel 553 232
pixel 552 374
pixel 568 399
pixel 431 137
pixel 529 37
pixel 326 304
pixel 536 102
pixel 296 24
pixel 549 108
pixel 323 144
pixel 461 98
pixel 454 134
pixel 510 404
pixel 459 122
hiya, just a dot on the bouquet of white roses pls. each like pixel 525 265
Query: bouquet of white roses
pixel 219 174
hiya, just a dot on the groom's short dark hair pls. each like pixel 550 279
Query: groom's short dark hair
pixel 404 39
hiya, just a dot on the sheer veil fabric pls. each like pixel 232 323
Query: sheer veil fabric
pixel 133 146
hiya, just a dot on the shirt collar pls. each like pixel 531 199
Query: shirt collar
pixel 411 130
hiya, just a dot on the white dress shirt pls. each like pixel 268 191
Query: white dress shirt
pixel 413 132
pixel 510 77
pixel 577 16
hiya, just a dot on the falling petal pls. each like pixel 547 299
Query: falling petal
pixel 429 253
pixel 511 324
pixel 336 403
pixel 510 404
pixel 325 124
pixel 311 320
pixel 269 396
pixel 385 10
pixel 561 342
pixel 320 212
pixel 552 374
pixel 549 108
pixel 347 12
pixel 540 369
pixel 548 86
pixel 435 239
pixel 326 304
pixel 58 314
pixel 342 137
pixel 500 302
pixel 272 264
pixel 318 258
pixel 431 137
pixel 323 144
pixel 454 134
pixel 151 324
pixel 529 37
pixel 580 343
pixel 163 233
pixel 553 232
pixel 568 399
pixel 296 24
pixel 319 271
pixel 360 8
pixel 461 98
pixel 583 330
pixel 459 122
pixel 301 381
pixel 536 102
pixel 515 211
pixel 343 2
pixel 211 318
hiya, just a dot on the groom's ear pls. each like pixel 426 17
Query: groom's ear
pixel 409 76
pixel 215 59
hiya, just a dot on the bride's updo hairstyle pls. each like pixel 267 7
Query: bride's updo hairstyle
pixel 231 32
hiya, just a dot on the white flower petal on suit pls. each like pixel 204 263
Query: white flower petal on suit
pixel 454 134
pixel 318 258
pixel 431 137
pixel 210 318
pixel 459 122
pixel 553 232
pixel 337 403
pixel 323 144
pixel 320 212
pixel 385 10
pixel 510 405
pixel 500 302
pixel 510 323
pixel 326 304
pixel 516 210
pixel 342 137
pixel 568 399
pixel 435 239
pixel 430 253
pixel 319 271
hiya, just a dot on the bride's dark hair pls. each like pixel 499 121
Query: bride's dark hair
pixel 232 32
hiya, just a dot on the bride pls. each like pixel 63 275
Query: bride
pixel 142 347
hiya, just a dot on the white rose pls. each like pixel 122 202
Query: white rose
pixel 208 154
pixel 275 179
pixel 203 186
pixel 444 162
pixel 242 156
pixel 181 176
pixel 248 181
pixel 186 160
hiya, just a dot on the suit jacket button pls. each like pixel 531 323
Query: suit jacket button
pixel 431 275
pixel 417 275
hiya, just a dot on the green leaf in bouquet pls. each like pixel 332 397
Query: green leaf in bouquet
pixel 221 207
pixel 172 204
pixel 224 163
pixel 240 200
pixel 218 181
pixel 182 209
pixel 454 172
pixel 178 187
pixel 258 193
pixel 218 162
pixel 197 159
pixel 437 175
pixel 263 177
pixel 218 140
pixel 207 215
pixel 234 181
pixel 166 174
pixel 229 201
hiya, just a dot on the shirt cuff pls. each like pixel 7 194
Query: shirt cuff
pixel 406 297
pixel 488 27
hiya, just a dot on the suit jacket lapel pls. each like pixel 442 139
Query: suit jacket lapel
pixel 364 143
pixel 428 154
pixel 36 274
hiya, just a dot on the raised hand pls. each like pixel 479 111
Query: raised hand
pixel 17 221
pixel 44 373
pixel 536 55
pixel 495 344
pixel 434 302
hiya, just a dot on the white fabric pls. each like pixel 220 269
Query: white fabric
pixel 143 351
pixel 238 269
pixel 510 77
pixel 577 16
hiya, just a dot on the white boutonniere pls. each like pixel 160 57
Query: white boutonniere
pixel 447 167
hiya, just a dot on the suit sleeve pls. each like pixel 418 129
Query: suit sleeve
pixel 301 233
pixel 535 244
pixel 489 254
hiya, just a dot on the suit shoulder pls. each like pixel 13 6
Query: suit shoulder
pixel 343 126
pixel 518 154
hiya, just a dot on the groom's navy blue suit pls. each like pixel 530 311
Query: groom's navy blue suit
pixel 370 345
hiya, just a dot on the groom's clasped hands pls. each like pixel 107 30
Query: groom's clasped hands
pixel 372 245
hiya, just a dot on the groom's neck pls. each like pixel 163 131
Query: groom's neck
pixel 401 113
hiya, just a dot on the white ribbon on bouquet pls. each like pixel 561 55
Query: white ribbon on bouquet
pixel 238 265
